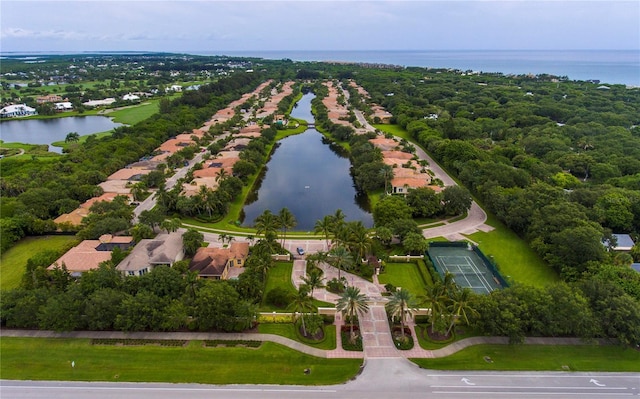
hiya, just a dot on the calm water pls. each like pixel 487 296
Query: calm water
pixel 46 131
pixel 306 176
pixel 608 66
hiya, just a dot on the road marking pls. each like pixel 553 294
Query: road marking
pixel 466 381
pixel 597 383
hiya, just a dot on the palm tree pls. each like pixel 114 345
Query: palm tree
pixel 387 174
pixel 461 302
pixel 358 239
pixel 435 299
pixel 314 279
pixel 323 226
pixel 302 303
pixel 170 225
pixel 337 221
pixel 350 303
pixel 340 258
pixel 287 221
pixel 401 305
pixel 221 175
pixel 266 223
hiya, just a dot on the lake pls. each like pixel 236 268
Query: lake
pixel 46 131
pixel 309 176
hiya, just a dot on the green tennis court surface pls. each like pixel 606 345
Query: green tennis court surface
pixel 468 269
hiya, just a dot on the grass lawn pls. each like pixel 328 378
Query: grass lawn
pixel 288 330
pixel 278 276
pixel 405 275
pixel 134 114
pixel 50 359
pixel 14 260
pixel 395 130
pixel 516 261
pixel 539 358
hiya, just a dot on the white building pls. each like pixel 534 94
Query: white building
pixel 63 106
pixel 95 103
pixel 130 97
pixel 16 110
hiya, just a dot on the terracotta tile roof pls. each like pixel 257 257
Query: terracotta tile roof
pixel 74 217
pixel 397 154
pixel 384 144
pixel 128 173
pixel 83 257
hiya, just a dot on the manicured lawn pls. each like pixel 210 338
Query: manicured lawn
pixel 14 260
pixel 288 330
pixel 516 261
pixel 395 130
pixel 539 358
pixel 279 276
pixel 405 275
pixel 50 359
pixel 135 114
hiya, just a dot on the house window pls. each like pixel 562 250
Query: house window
pixel 131 273
pixel 143 271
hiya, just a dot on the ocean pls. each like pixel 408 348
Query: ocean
pixel 607 66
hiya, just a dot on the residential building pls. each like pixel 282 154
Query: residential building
pixel 49 98
pixel 165 249
pixel 17 110
pixel 89 254
pixel 216 263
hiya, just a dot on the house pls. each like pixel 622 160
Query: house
pixel 89 254
pixel 165 249
pixel 624 242
pixel 49 98
pixel 63 106
pixel 131 97
pixel 95 103
pixel 16 110
pixel 216 263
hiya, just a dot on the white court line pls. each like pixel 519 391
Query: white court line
pixel 470 264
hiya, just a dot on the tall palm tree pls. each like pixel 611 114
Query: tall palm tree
pixel 266 223
pixel 287 221
pixel 461 308
pixel 340 257
pixel 302 303
pixel 323 226
pixel 401 305
pixel 337 221
pixel 387 174
pixel 358 239
pixel 314 279
pixel 350 303
pixel 436 299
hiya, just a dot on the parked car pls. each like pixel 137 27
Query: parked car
pixel 300 251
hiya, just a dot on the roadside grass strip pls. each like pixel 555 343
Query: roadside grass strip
pixel 271 363
pixel 538 358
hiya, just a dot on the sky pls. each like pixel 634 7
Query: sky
pixel 188 26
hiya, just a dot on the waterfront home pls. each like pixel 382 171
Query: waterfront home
pixel 17 110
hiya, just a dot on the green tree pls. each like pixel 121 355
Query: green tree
pixel 72 137
pixel 192 240
pixel 456 200
pixel 170 225
pixel 461 307
pixel 314 279
pixel 287 221
pixel 401 305
pixel 351 303
pixel 415 243
pixel 302 303
pixel 323 226
pixel 340 258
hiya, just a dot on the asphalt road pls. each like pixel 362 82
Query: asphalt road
pixel 381 378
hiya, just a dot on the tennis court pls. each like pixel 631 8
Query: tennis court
pixel 468 268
